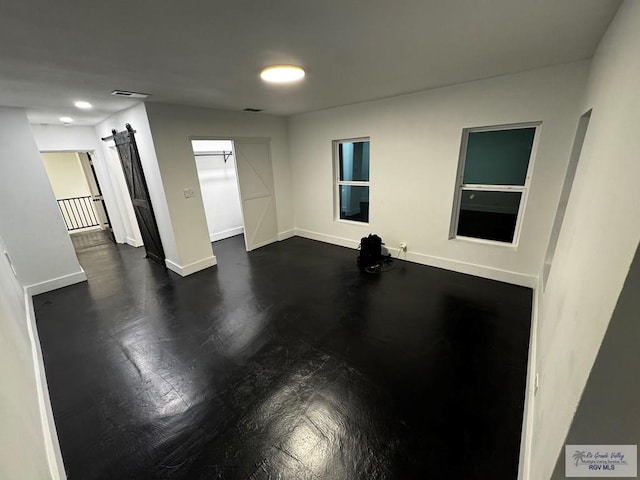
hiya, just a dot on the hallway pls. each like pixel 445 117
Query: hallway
pixel 88 240
pixel 285 362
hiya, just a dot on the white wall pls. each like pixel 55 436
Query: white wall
pixel 219 187
pixel 23 452
pixel 122 199
pixel 65 175
pixel 415 145
pixel 599 236
pixel 33 236
pixel 137 117
pixel 173 127
pixel 30 220
pixel 611 393
pixel 59 138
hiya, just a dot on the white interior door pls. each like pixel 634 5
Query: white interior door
pixel 255 180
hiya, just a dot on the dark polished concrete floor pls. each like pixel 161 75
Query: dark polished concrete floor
pixel 286 362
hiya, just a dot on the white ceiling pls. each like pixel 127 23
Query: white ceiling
pixel 209 53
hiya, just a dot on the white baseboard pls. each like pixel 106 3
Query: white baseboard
pixel 133 242
pixel 432 261
pixel 262 244
pixel 184 270
pixel 491 273
pixel 321 237
pixel 50 434
pixel 231 232
pixel 55 283
pixel 286 234
pixel 528 416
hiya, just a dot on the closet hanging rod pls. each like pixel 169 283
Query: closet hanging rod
pixel 221 153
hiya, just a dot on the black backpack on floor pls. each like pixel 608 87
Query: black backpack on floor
pixel 370 251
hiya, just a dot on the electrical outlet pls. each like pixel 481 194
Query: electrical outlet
pixel 403 246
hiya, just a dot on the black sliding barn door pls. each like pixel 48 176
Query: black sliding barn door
pixel 130 158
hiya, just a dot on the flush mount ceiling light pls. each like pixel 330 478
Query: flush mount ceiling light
pixel 66 120
pixel 81 104
pixel 282 73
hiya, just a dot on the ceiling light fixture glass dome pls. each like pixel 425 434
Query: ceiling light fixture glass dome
pixel 282 73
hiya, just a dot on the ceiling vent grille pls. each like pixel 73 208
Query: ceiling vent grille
pixel 125 93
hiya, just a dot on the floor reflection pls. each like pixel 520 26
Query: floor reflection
pixel 313 417
pixel 284 363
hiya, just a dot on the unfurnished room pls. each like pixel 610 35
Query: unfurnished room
pixel 319 240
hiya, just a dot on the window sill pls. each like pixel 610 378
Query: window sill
pixel 494 243
pixel 352 222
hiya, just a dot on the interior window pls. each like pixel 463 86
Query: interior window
pixel 493 179
pixel 352 179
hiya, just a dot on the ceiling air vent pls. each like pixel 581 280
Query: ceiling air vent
pixel 252 110
pixel 124 93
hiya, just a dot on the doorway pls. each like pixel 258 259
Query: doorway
pixel 236 181
pixel 217 174
pixel 79 197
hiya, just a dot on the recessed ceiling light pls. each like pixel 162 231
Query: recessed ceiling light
pixel 66 119
pixel 282 73
pixel 83 105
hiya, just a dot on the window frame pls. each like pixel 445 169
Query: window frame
pixel 337 183
pixel 460 186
